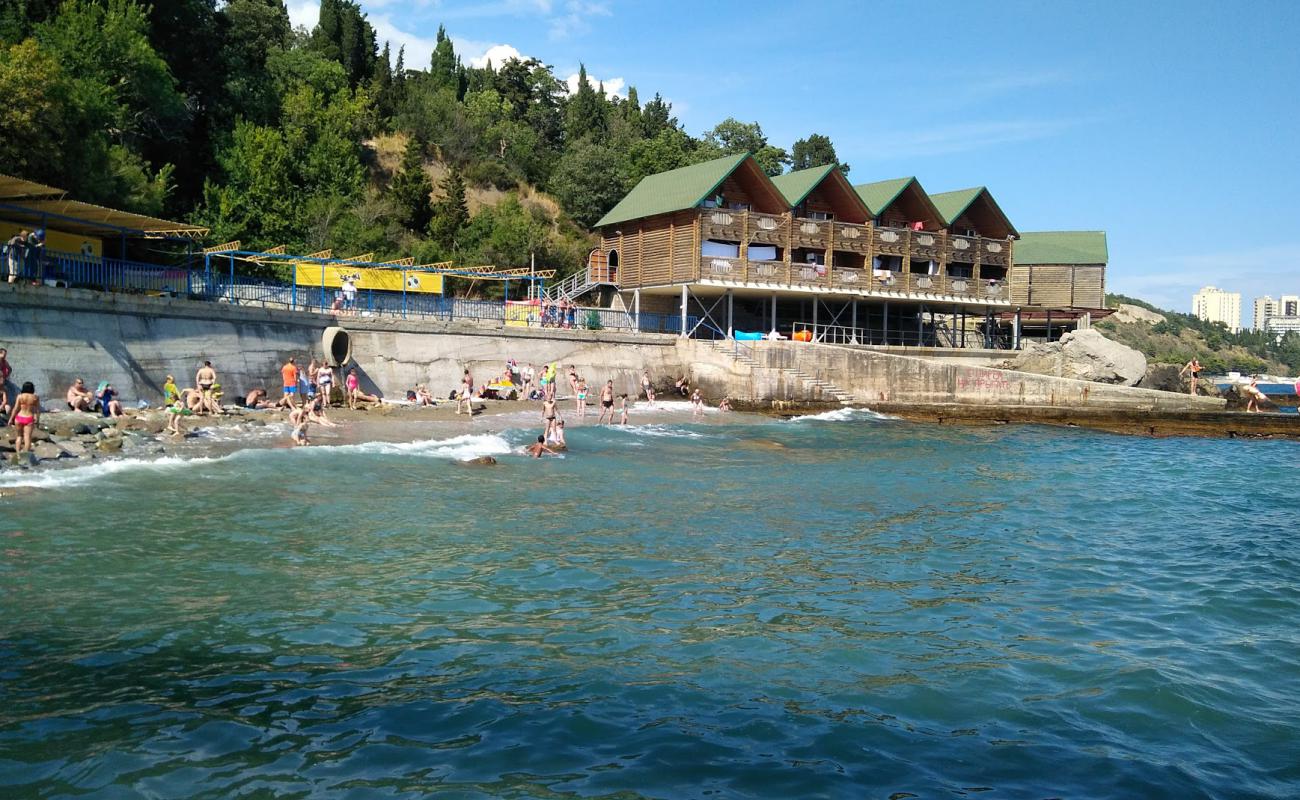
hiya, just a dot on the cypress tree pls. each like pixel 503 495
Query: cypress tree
pixel 411 188
pixel 451 213
pixel 586 112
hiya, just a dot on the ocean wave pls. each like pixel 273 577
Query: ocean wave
pixel 843 415
pixel 666 407
pixel 77 476
pixel 658 430
pixel 460 448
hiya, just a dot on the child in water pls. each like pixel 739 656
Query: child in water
pixel 622 409
pixel 175 411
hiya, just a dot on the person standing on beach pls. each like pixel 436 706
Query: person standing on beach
pixel 549 415
pixel 582 398
pixel 647 387
pixel 25 416
pixel 606 403
pixel 465 395
pixel 289 380
pixel 622 409
pixel 697 403
pixel 204 378
pixel 325 382
pixel 5 372
pixel 1194 367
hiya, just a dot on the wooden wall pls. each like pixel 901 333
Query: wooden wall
pixel 1059 285
pixel 655 251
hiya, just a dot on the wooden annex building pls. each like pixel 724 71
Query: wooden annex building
pixel 735 252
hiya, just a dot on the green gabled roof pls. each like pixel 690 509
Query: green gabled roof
pixel 880 194
pixel 674 190
pixel 795 186
pixel 1062 247
pixel 952 204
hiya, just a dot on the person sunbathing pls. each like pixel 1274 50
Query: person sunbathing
pixel 79 397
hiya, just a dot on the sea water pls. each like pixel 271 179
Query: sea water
pixel 727 606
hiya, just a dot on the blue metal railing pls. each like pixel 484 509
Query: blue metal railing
pixel 228 285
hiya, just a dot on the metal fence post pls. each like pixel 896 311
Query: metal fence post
pixel 403 294
pixel 293 290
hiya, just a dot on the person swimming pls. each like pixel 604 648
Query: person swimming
pixel 537 448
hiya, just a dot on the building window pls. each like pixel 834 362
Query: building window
pixel 819 216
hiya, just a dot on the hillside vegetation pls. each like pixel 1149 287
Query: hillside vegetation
pixel 1180 337
pixel 219 112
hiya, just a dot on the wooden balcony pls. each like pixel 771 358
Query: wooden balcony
pixel 881 283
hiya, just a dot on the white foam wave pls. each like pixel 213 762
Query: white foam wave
pixel 657 431
pixel 842 415
pixel 76 476
pixel 459 448
pixel 467 446
pixel 667 407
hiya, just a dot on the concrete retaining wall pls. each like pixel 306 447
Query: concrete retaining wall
pixel 55 335
pixel 790 370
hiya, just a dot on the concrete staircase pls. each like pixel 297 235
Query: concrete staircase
pixel 815 387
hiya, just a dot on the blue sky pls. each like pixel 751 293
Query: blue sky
pixel 1172 126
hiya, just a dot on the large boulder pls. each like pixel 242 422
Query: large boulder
pixel 1131 313
pixel 1085 355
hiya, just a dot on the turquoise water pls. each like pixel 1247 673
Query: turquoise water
pixel 843 607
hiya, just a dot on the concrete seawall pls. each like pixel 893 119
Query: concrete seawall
pixel 55 335
pixel 796 371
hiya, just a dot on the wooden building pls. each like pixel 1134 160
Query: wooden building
pixel 729 248
pixel 1060 269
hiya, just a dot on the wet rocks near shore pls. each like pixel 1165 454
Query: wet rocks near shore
pixel 1083 355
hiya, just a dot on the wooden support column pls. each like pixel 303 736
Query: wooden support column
pixel 830 253
pixel 636 308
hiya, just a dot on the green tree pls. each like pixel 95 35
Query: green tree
pixel 255 29
pixel 588 181
pixel 669 150
pixel 410 190
pixel 344 35
pixel 585 116
pixel 445 71
pixel 451 213
pixel 36 117
pixel 732 136
pixel 657 116
pixel 815 151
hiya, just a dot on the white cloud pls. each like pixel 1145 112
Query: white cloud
pixel 303 13
pixel 498 54
pixel 613 86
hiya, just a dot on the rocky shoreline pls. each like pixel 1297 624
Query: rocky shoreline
pixel 69 438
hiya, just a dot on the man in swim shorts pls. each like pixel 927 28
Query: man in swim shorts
pixel 647 387
pixel 549 415
pixel 79 397
pixel 204 378
pixel 289 380
pixel 606 403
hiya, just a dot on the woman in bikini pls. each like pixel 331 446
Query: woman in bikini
pixel 24 417
pixel 581 398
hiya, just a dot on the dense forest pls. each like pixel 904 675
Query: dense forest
pixel 222 114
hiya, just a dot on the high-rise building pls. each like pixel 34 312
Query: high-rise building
pixel 1288 305
pixel 1265 307
pixel 1215 305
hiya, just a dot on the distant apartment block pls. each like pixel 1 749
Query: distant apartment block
pixel 1265 307
pixel 1281 325
pixel 1215 305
